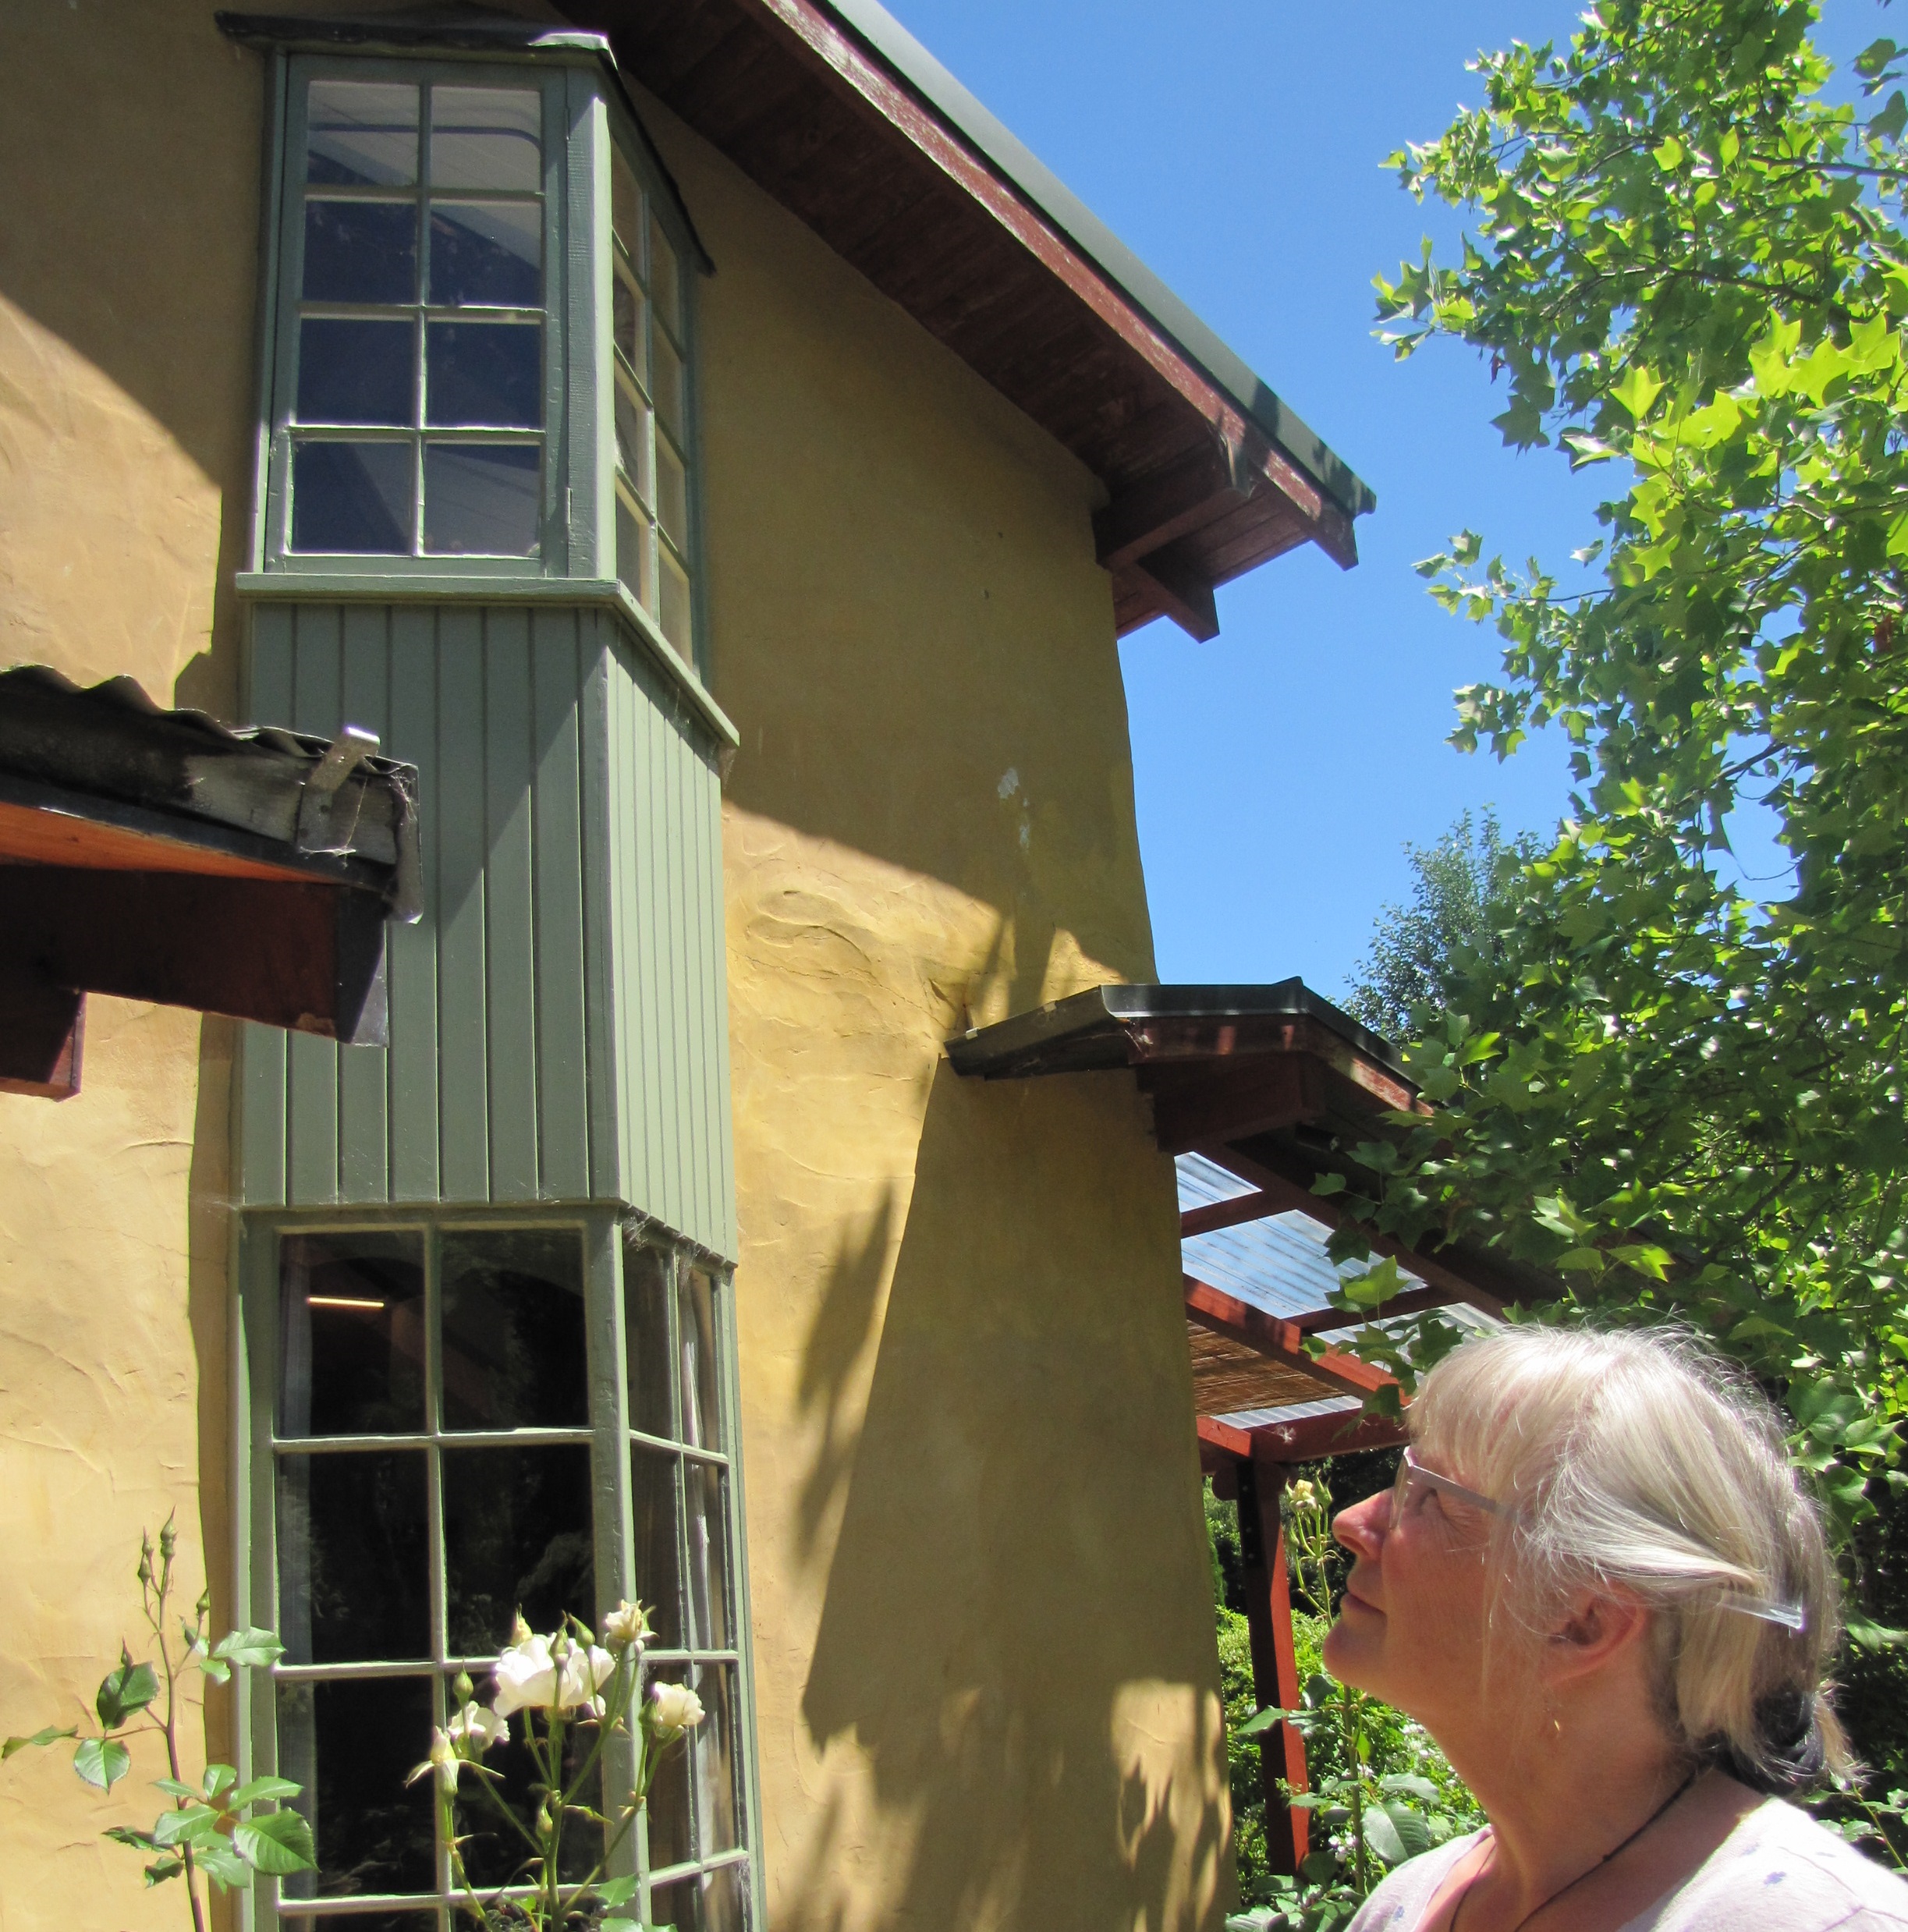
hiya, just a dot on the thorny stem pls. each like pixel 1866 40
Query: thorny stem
pixel 156 1616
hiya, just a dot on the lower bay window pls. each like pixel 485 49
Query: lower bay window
pixel 454 1420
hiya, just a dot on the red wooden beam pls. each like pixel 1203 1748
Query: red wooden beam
pixel 1220 1443
pixel 1275 1658
pixel 1312 1438
pixel 1173 502
pixel 1413 1301
pixel 1278 1341
pixel 1258 1206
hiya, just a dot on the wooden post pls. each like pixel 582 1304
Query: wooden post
pixel 1275 1662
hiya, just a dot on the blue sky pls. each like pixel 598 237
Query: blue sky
pixel 1236 145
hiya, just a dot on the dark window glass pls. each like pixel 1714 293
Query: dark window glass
pixel 632 566
pixel 625 321
pixel 481 500
pixel 494 1854
pixel 365 1922
pixel 678 1905
pixel 670 1842
pixel 632 437
pixel 695 1326
pixel 351 1327
pixel 356 372
pixel 666 386
pixel 355 498
pixel 361 133
pixel 725 1900
pixel 645 1272
pixel 360 251
pixel 486 137
pixel 351 1745
pixel 654 1558
pixel 713 1743
pixel 354 1567
pixel 707 1526
pixel 487 253
pixel 515 1352
pixel 484 373
pixel 516 1535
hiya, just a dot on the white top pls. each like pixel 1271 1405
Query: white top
pixel 1778 1871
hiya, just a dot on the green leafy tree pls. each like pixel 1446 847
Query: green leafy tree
pixel 1687 262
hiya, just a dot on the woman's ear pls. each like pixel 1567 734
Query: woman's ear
pixel 1593 1630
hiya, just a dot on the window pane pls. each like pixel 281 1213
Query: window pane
pixel 671 493
pixel 515 1355
pixel 356 372
pixel 725 1899
pixel 625 208
pixel 632 437
pixel 351 1745
pixel 626 325
pixel 670 1842
pixel 351 1332
pixel 665 282
pixel 647 1274
pixel 516 1535
pixel 360 251
pixel 695 1327
pixel 707 1526
pixel 365 1922
pixel 361 133
pixel 667 388
pixel 481 500
pixel 354 1564
pixel 654 1555
pixel 675 603
pixel 484 373
pixel 713 1743
pixel 486 137
pixel 678 1905
pixel 494 1854
pixel 487 252
pixel 633 565
pixel 352 496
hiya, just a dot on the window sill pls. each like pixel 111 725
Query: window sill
pixel 320 587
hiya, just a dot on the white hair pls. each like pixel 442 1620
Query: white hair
pixel 1639 1463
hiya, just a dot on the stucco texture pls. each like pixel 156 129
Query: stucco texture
pixel 129 150
pixel 984 1640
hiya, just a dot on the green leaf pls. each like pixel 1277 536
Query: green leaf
pixel 257 1788
pixel 251 1648
pixel 1411 1784
pixel 1383 1836
pixel 616 1892
pixel 51 1735
pixel 125 1834
pixel 102 1762
pixel 173 1788
pixel 166 1868
pixel 218 1777
pixel 189 1821
pixel 125 1692
pixel 215 1858
pixel 278 1843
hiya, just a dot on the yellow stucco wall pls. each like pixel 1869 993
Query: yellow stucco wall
pixel 129 154
pixel 984 1637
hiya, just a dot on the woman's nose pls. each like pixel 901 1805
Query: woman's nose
pixel 1361 1528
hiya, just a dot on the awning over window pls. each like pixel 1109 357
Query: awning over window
pixel 159 855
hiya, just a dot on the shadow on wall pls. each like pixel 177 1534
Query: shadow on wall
pixel 1012 1637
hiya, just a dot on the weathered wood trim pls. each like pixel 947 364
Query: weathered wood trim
pixel 1278 1341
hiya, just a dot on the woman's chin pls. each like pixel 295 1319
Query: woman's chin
pixel 1346 1652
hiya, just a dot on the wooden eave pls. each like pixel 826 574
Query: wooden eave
pixel 831 109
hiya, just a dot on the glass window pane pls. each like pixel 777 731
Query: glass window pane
pixel 363 1921
pixel 632 437
pixel 356 372
pixel 654 1555
pixel 633 566
pixel 484 373
pixel 679 1906
pixel 675 624
pixel 487 252
pixel 707 1526
pixel 482 499
pixel 354 1561
pixel 666 281
pixel 351 1745
pixel 351 1345
pixel 671 493
pixel 625 323
pixel 515 1352
pixel 725 1899
pixel 667 388
pixel 352 496
pixel 360 251
pixel 646 1273
pixel 625 208
pixel 695 1327
pixel 361 133
pixel 494 1854
pixel 713 1743
pixel 670 1840
pixel 516 1535
pixel 486 137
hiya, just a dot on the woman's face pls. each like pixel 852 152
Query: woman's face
pixel 1411 1628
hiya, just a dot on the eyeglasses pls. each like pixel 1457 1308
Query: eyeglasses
pixel 1412 1474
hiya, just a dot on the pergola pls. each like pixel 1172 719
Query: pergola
pixel 1271 1085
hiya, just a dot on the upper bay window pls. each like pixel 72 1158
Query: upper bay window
pixel 482 347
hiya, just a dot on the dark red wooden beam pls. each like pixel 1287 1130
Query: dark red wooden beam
pixel 1220 1443
pixel 1173 502
pixel 1312 1438
pixel 1257 1205
pixel 1413 1301
pixel 1278 1341
pixel 1275 1658
pixel 1182 590
pixel 42 1029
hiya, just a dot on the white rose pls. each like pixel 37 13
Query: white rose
pixel 673 1708
pixel 626 1625
pixel 526 1677
pixel 478 1728
pixel 585 1673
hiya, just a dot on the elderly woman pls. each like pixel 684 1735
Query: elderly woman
pixel 1599 1585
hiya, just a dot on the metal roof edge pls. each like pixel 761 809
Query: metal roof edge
pixel 886 38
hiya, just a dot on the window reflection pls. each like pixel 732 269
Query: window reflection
pixel 354 498
pixel 653 1555
pixel 486 253
pixel 695 1333
pixel 351 1333
pixel 646 1277
pixel 354 1557
pixel 360 251
pixel 482 499
pixel 487 137
pixel 484 373
pixel 707 1526
pixel 516 1354
pixel 517 1535
pixel 361 133
pixel 711 1754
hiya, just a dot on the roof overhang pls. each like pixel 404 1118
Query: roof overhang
pixel 157 855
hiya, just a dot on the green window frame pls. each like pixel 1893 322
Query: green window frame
pixel 421 1392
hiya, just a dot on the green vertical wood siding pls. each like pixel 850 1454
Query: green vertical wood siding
pixel 558 1016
